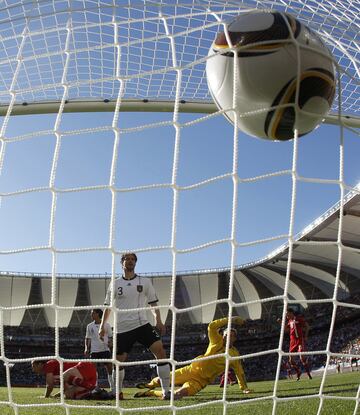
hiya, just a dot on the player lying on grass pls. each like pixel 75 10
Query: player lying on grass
pixel 79 377
pixel 200 373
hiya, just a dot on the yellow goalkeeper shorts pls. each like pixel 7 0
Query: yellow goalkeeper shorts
pixel 188 380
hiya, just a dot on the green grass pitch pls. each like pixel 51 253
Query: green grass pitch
pixel 303 400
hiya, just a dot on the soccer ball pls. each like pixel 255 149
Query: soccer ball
pixel 267 77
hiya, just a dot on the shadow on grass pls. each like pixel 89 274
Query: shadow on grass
pixel 337 392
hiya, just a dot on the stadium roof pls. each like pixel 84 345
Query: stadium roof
pixel 325 265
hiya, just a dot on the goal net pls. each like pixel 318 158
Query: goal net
pixel 111 143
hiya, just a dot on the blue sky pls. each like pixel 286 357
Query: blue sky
pixel 144 217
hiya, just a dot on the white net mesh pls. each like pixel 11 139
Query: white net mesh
pixel 60 170
pixel 91 45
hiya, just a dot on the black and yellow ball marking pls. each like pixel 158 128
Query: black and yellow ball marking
pixel 279 123
pixel 248 41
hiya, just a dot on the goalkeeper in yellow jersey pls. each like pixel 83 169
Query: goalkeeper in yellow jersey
pixel 200 373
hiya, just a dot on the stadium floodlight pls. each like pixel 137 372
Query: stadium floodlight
pixel 112 56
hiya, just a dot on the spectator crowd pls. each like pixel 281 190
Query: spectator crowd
pixel 191 340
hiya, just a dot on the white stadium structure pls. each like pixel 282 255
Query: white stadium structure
pixel 260 284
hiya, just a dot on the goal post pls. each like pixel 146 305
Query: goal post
pixel 144 105
pixel 68 73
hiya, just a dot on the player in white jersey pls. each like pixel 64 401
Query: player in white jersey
pixel 132 291
pixel 97 348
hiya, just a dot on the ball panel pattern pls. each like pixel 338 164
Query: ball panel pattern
pixel 267 75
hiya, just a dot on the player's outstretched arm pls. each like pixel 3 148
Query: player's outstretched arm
pixel 87 347
pixel 240 376
pixel 215 325
pixel 158 323
pixel 49 385
pixel 104 319
pixel 213 329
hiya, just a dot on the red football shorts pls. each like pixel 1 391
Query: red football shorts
pixel 297 345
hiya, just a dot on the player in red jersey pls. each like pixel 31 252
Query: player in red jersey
pixel 79 377
pixel 298 330
pixel 231 379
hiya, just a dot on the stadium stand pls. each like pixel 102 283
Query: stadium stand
pixel 191 340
